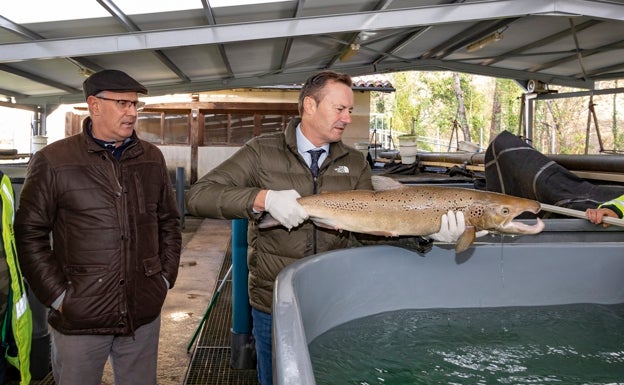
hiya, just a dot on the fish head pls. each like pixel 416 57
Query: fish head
pixel 498 212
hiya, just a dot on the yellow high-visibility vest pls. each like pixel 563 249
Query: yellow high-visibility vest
pixel 617 205
pixel 18 315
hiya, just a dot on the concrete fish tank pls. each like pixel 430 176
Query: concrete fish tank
pixel 571 262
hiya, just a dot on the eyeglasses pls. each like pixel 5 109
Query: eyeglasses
pixel 125 104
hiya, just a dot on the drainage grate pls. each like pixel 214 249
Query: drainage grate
pixel 47 380
pixel 210 363
pixel 14 379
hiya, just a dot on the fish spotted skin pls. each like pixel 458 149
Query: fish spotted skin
pixel 398 210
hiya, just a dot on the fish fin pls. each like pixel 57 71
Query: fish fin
pixel 266 221
pixel 340 230
pixel 383 233
pixel 382 183
pixel 465 240
pixel 326 226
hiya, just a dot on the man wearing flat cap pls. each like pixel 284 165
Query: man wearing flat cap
pixel 105 197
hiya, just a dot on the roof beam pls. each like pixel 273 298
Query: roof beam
pixel 211 21
pixel 354 38
pixel 20 106
pixel 11 93
pixel 467 36
pixel 359 21
pixel 26 33
pixel 539 43
pixel 289 41
pixel 584 52
pixel 257 80
pixel 409 37
pixel 605 71
pixel 130 26
pixel 37 78
pixel 445 65
pixel 18 29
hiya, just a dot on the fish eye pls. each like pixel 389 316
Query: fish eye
pixel 505 210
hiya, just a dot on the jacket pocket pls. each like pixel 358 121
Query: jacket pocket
pixel 152 266
pixel 140 193
pixel 88 297
pixel 152 289
pixel 87 281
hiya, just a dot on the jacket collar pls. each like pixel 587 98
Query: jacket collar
pixel 95 145
pixel 336 149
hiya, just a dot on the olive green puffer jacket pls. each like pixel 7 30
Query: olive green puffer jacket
pixel 272 162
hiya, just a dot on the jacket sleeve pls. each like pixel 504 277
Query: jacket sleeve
pixel 33 224
pixel 224 192
pixel 617 205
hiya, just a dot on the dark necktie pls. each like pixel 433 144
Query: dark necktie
pixel 315 154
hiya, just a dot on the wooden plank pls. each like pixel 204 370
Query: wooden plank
pixel 610 176
pixel 449 165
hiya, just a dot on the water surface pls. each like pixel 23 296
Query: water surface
pixel 568 344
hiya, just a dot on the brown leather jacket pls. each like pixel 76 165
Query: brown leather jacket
pixel 115 234
pixel 273 162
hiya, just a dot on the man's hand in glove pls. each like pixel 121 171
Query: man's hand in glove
pixel 283 206
pixel 452 227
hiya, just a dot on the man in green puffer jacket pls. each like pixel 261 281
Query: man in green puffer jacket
pixel 270 172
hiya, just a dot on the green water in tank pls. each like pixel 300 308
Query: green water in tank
pixel 563 344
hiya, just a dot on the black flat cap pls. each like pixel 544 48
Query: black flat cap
pixel 111 80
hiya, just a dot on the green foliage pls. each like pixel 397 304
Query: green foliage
pixel 427 101
pixel 511 102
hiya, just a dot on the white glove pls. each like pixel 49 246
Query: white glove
pixel 452 226
pixel 283 206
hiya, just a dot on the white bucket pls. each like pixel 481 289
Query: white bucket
pixel 408 150
pixel 408 159
pixel 408 145
pixel 37 143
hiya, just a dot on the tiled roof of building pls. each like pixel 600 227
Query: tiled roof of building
pixel 373 83
pixel 360 83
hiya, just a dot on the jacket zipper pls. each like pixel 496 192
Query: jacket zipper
pixel 124 227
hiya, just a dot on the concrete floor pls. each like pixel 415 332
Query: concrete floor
pixel 205 242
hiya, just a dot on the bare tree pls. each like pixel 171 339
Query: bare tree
pixel 495 123
pixel 461 108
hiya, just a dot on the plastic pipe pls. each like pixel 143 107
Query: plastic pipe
pixel 242 340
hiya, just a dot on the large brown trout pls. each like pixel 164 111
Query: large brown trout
pixel 394 209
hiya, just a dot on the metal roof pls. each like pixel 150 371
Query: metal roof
pixel 563 42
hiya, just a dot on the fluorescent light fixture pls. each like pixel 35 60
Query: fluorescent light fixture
pixel 477 45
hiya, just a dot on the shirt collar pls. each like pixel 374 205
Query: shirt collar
pixel 103 143
pixel 304 145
